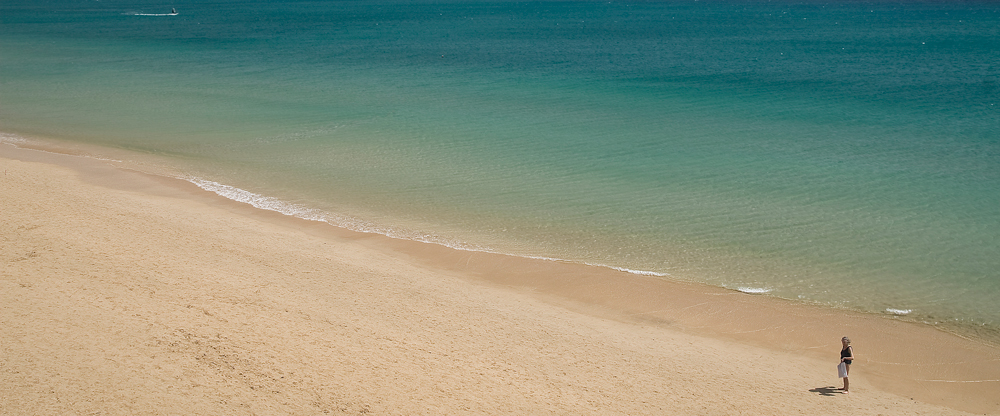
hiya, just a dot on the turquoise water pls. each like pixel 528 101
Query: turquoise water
pixel 844 153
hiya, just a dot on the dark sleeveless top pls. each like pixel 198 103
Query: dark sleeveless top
pixel 846 352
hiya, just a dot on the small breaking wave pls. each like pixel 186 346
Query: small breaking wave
pixel 638 272
pixel 273 204
pixel 294 210
pixel 258 201
pixel 11 139
pixel 753 290
pixel 898 311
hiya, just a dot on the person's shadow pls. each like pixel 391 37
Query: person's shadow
pixel 826 391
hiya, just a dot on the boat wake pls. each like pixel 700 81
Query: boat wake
pixel 173 12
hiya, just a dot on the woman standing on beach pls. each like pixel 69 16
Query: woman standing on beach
pixel 846 357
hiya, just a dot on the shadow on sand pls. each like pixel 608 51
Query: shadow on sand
pixel 827 391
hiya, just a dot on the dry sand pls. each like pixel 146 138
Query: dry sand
pixel 124 293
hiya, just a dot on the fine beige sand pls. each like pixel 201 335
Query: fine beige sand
pixel 126 294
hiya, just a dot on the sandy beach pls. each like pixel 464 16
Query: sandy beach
pixel 123 293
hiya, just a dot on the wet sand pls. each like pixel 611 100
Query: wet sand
pixel 126 293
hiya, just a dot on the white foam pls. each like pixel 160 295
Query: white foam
pixel 898 311
pixel 11 139
pixel 544 258
pixel 621 269
pixel 258 201
pixel 299 211
pixel 639 272
pixel 753 290
pixel 353 224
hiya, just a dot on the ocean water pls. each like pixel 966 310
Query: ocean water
pixel 845 153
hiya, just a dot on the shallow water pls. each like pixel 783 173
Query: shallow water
pixel 844 153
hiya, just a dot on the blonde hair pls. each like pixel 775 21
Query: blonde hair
pixel 846 339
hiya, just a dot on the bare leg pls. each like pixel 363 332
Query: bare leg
pixel 847 382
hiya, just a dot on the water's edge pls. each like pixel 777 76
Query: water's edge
pixel 974 332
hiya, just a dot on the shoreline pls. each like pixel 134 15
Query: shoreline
pixel 899 359
pixel 959 326
pixel 990 336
